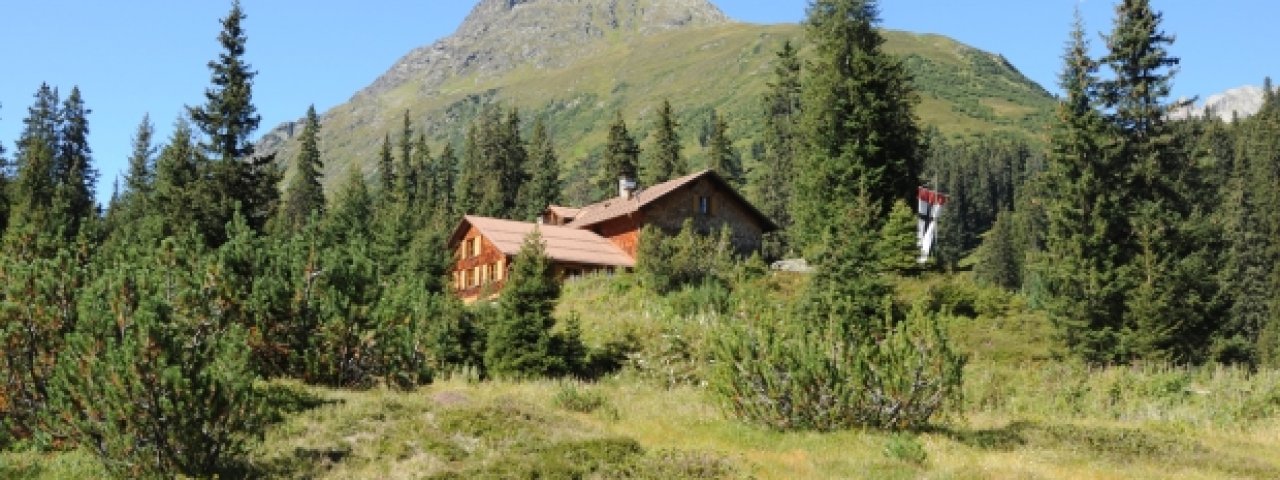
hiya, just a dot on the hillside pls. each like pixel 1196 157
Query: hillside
pixel 574 62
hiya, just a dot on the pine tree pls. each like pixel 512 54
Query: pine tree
pixel 860 134
pixel 721 156
pixel 543 170
pixel 665 160
pixel 228 119
pixel 621 156
pixel 773 186
pixel 304 196
pixel 520 343
pixel 156 381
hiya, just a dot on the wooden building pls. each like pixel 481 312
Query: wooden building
pixel 604 235
pixel 484 248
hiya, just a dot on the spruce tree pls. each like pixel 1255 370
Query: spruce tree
pixel 181 186
pixel 520 343
pixel 1169 304
pixel 139 179
pixel 470 172
pixel 1085 296
pixel 228 119
pixel 621 156
pixel 773 186
pixel 304 196
pixel 32 191
pixel 721 156
pixel 512 163
pixel 74 171
pixel 665 160
pixel 5 174
pixel 445 184
pixel 860 133
pixel 543 170
pixel 386 167
pixel 405 178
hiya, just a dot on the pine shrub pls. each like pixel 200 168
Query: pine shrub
pixel 791 375
pixel 157 379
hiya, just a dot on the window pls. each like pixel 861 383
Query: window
pixel 476 247
pixel 475 277
pixel 704 205
pixel 502 269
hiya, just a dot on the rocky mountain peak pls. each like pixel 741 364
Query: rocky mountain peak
pixel 1241 102
pixel 499 35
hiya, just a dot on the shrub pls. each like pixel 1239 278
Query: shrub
pixel 574 398
pixel 667 263
pixel 791 375
pixel 157 379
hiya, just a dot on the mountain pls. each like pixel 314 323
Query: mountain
pixel 1239 102
pixel 575 62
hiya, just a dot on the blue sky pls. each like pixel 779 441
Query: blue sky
pixel 135 57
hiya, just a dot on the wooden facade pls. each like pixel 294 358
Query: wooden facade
pixel 480 269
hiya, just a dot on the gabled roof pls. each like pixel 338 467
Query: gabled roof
pixel 564 244
pixel 564 212
pixel 618 206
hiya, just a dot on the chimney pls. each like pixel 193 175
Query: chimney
pixel 626 187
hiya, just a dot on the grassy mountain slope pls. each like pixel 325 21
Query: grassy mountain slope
pixel 713 65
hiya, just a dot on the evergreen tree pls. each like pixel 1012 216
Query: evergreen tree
pixel 422 172
pixel 470 173
pixel 543 171
pixel 305 196
pixel 621 156
pixel 721 156
pixel 860 134
pixel 520 343
pixel 1086 216
pixel 74 171
pixel 665 160
pixel 181 184
pixel 228 119
pixel 405 178
pixel 1250 274
pixel 1166 246
pixel 139 179
pixel 386 167
pixel 773 186
pixel 32 191
pixel 445 183
pixel 6 172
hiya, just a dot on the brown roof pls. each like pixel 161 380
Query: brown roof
pixel 618 206
pixel 564 212
pixel 564 244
